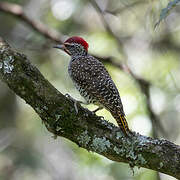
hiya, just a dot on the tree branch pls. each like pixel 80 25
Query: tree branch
pixel 126 7
pixel 17 11
pixel 85 129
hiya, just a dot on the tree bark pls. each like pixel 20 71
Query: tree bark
pixel 85 128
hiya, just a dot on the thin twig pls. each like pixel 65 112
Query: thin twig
pixel 126 7
pixel 17 11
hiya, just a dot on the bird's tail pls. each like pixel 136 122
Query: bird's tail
pixel 122 123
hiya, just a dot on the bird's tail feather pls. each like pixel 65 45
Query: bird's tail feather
pixel 122 123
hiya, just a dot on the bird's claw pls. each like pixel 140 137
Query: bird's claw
pixel 74 100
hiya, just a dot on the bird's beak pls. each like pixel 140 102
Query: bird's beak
pixel 59 46
pixel 62 47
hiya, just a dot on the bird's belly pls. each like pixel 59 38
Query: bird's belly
pixel 89 98
pixel 82 89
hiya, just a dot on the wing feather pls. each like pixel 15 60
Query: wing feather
pixel 91 75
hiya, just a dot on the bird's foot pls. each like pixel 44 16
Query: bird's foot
pixel 75 102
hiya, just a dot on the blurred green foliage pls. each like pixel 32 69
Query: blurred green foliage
pixel 165 11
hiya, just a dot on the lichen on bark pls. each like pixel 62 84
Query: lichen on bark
pixel 85 128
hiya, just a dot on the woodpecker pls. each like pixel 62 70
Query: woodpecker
pixel 92 80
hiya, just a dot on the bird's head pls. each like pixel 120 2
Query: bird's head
pixel 74 46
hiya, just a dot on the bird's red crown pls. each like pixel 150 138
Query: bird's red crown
pixel 79 40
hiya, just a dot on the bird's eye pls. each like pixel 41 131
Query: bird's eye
pixel 68 45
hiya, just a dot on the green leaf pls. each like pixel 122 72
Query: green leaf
pixel 165 11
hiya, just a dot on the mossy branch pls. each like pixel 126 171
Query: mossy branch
pixel 144 85
pixel 85 129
